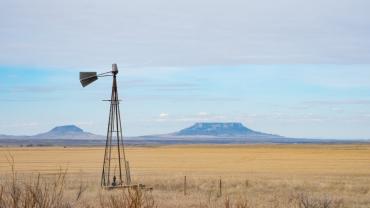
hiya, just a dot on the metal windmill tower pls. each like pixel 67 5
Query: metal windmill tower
pixel 116 170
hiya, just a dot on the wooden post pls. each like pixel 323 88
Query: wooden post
pixel 185 186
pixel 220 188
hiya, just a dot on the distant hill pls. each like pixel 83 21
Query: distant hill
pixel 221 130
pixel 64 130
pixel 67 132
pixel 209 132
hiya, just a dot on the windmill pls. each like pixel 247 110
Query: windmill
pixel 116 170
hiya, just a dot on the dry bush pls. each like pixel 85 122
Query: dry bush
pixel 127 198
pixel 306 200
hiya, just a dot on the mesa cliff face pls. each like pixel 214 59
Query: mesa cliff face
pixel 231 129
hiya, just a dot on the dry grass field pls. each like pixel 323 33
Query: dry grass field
pixel 252 175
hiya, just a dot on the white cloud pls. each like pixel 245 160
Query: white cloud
pixel 163 115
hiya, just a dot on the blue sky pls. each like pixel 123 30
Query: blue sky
pixel 320 101
pixel 291 67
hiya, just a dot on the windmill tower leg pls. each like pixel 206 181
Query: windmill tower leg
pixel 114 155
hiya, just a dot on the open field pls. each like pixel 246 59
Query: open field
pixel 253 175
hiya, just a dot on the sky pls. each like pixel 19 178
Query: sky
pixel 290 67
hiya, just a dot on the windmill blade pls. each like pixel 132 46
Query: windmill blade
pixel 87 78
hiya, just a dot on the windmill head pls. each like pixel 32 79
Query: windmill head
pixel 87 78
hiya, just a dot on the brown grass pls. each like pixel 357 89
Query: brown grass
pixel 43 192
pixel 34 193
pixel 291 176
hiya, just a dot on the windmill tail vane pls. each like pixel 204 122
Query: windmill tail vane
pixel 114 154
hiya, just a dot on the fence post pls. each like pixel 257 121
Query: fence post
pixel 185 186
pixel 220 188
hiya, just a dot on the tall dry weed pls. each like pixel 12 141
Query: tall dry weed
pixel 38 193
pixel 127 198
pixel 307 200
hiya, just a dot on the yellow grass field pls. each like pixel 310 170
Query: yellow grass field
pixel 260 175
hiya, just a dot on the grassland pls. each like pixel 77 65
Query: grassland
pixel 252 175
